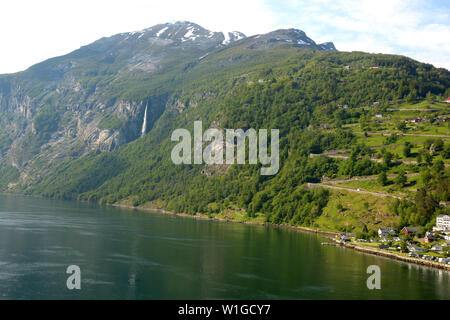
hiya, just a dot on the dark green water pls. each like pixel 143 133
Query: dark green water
pixel 128 254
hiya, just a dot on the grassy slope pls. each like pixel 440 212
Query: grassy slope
pixel 357 210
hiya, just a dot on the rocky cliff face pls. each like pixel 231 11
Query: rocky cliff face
pixel 94 99
pixel 63 120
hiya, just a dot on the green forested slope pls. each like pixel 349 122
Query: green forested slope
pixel 296 91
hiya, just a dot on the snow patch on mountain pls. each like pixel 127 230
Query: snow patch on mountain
pixel 227 38
pixel 160 32
pixel 232 36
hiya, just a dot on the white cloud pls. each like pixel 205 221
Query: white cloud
pixel 417 28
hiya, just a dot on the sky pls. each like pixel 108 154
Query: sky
pixel 32 31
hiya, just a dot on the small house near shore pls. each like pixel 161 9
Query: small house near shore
pixel 436 247
pixel 413 248
pixel 383 232
pixel 430 238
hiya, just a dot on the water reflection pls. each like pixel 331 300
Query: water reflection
pixel 126 254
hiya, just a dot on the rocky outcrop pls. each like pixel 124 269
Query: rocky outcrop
pixel 94 99
pixel 80 128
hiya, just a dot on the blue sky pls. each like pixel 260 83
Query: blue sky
pixel 416 28
pixel 31 31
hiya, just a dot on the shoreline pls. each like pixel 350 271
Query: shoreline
pixel 204 217
pixel 391 255
pixel 329 234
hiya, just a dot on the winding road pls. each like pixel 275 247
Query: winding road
pixel 376 194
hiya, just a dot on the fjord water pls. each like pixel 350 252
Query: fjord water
pixel 127 254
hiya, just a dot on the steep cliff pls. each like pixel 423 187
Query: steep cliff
pixel 94 99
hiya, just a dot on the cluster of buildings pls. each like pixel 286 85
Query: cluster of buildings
pixel 415 119
pixel 383 233
pixel 442 119
pixel 440 230
pixel 439 119
pixel 442 226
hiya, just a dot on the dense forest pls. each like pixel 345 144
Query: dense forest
pixel 300 92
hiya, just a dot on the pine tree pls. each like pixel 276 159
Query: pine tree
pixel 382 178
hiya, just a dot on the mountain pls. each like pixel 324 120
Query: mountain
pixel 285 39
pixel 96 124
pixel 94 98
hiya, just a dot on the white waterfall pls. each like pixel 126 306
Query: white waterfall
pixel 144 123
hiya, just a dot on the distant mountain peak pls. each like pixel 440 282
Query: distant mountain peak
pixel 328 46
pixel 183 31
pixel 188 34
pixel 288 38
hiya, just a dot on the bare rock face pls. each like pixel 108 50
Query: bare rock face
pixel 94 99
pixel 285 38
pixel 39 135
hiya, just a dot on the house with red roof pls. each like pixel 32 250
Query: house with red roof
pixel 410 230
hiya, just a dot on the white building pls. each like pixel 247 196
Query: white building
pixel 442 223
pixel 383 232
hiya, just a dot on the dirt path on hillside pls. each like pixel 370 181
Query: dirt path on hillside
pixel 364 178
pixel 417 109
pixel 407 134
pixel 376 194
pixel 341 156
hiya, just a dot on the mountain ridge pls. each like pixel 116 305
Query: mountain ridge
pixel 79 115
pixel 88 79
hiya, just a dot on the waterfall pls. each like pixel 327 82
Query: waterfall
pixel 144 123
